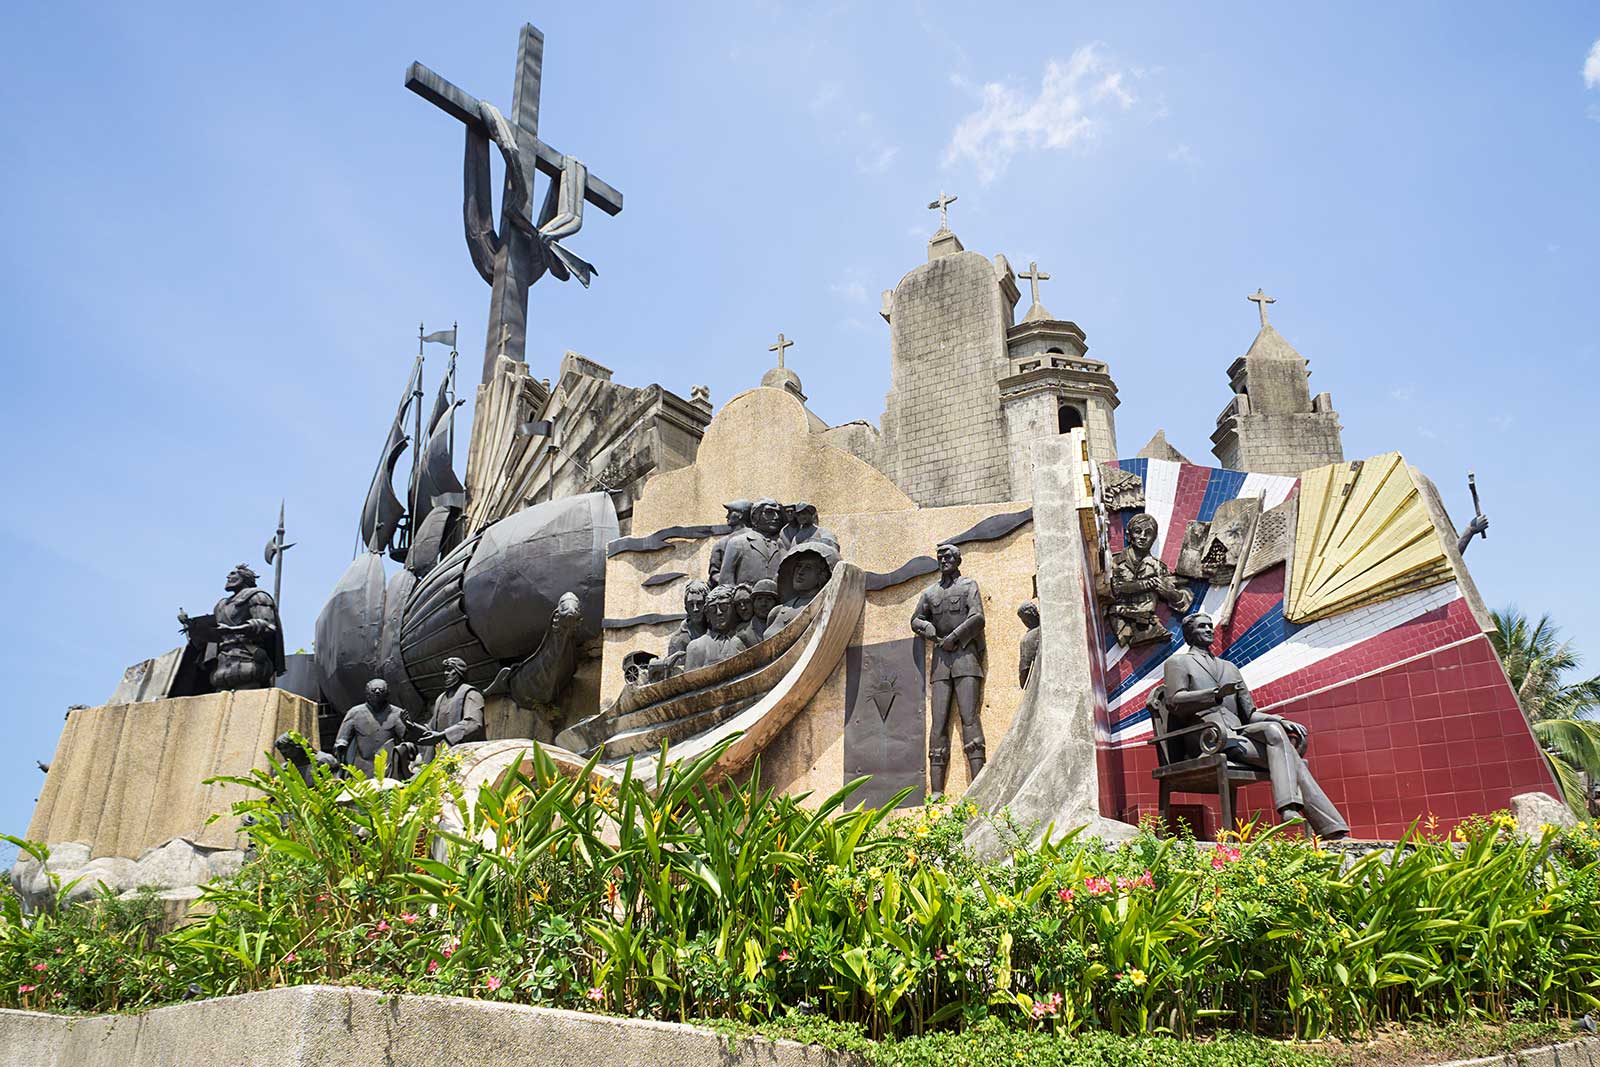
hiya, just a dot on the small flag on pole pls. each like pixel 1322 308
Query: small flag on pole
pixel 442 337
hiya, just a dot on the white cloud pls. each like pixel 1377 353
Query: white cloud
pixel 1426 434
pixel 1401 393
pixel 1591 67
pixel 1073 101
pixel 1181 154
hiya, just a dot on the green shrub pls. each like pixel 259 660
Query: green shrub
pixel 692 901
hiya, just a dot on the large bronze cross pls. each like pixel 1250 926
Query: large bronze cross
pixel 512 258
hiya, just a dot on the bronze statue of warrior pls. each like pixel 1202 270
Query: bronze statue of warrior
pixel 457 712
pixel 950 614
pixel 1203 686
pixel 1139 581
pixel 752 553
pixel 373 727
pixel 1028 652
pixel 722 638
pixel 802 572
pixel 804 527
pixel 738 514
pixel 247 632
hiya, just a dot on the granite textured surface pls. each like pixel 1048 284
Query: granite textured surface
pixel 129 777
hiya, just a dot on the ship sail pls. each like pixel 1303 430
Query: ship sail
pixel 437 484
pixel 381 515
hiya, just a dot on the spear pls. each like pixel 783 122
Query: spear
pixel 275 550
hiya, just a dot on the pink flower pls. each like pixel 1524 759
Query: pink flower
pixel 451 946
pixel 26 988
pixel 940 954
pixel 1048 1006
pixel 1222 856
pixel 1144 881
pixel 290 958
pixel 784 956
pixel 596 994
pixel 1097 886
pixel 1065 895
pixel 41 966
pixel 382 927
pixel 433 966
pixel 492 982
pixel 409 917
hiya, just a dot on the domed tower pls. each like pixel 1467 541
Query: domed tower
pixel 1053 387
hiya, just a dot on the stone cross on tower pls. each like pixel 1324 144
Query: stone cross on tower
pixel 943 204
pixel 517 253
pixel 1262 300
pixel 1034 276
pixel 782 344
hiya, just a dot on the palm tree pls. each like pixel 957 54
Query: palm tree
pixel 1562 714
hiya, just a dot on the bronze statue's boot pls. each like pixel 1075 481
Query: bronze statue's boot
pixel 974 765
pixel 936 773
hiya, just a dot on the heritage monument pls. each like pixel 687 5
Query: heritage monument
pixel 618 569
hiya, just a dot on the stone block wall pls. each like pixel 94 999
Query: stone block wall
pixel 1279 444
pixel 944 441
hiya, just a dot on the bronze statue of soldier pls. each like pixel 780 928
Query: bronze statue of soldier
pixel 802 572
pixel 950 615
pixel 457 713
pixel 763 599
pixel 247 633
pixel 804 527
pixel 722 638
pixel 738 514
pixel 694 619
pixel 752 553
pixel 1139 582
pixel 373 727
pixel 1200 685
pixel 1028 651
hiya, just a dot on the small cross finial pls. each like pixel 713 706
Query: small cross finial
pixel 1261 301
pixel 1034 276
pixel 943 204
pixel 505 335
pixel 782 344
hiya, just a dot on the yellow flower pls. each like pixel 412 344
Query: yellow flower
pixel 921 830
pixel 1261 879
pixel 1136 976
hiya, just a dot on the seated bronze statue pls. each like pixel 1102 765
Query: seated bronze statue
pixel 1201 686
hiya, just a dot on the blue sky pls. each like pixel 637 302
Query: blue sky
pixel 221 227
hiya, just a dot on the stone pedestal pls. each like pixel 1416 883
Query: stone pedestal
pixel 1045 770
pixel 128 777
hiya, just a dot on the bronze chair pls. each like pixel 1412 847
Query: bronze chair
pixel 1190 759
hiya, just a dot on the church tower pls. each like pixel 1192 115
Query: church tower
pixel 943 434
pixel 1051 387
pixel 1273 425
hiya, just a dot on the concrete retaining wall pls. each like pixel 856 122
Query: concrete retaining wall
pixel 327 1026
pixel 330 1026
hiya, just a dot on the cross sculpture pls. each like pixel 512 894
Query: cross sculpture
pixel 1262 300
pixel 943 204
pixel 519 252
pixel 783 343
pixel 1034 276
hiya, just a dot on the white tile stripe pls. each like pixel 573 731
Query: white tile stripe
pixel 1272 488
pixel 1160 494
pixel 1318 641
